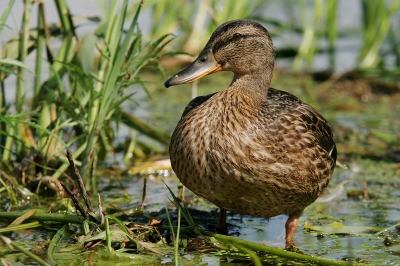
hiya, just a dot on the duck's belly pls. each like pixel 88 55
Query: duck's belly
pixel 240 175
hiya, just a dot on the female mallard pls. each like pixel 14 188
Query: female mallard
pixel 250 149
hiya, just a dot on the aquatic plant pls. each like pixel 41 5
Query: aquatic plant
pixel 82 114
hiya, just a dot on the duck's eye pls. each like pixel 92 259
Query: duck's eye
pixel 237 36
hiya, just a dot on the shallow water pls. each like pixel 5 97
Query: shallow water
pixel 353 239
pixel 345 226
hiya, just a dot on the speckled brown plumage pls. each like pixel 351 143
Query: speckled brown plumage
pixel 250 149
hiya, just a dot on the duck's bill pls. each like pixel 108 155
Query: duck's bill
pixel 204 65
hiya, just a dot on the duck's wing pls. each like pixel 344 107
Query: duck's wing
pixel 320 128
pixel 281 102
pixel 196 102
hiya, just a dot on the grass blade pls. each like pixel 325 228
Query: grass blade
pixel 5 14
pixel 54 243
pixel 16 246
pixel 185 211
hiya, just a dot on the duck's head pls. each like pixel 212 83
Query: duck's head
pixel 241 46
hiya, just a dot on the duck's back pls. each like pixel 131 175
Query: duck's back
pixel 266 160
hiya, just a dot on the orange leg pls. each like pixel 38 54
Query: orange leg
pixel 221 226
pixel 291 226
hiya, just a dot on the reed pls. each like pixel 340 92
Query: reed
pixel 311 32
pixel 377 18
pixel 126 56
pixel 81 115
pixel 331 30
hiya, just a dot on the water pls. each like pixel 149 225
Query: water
pixel 353 220
pixel 343 228
pixel 359 219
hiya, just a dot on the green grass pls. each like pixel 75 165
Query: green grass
pixel 377 21
pixel 81 116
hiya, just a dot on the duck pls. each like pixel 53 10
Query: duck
pixel 250 149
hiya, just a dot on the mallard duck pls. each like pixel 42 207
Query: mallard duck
pixel 250 149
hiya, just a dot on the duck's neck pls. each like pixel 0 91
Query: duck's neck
pixel 256 84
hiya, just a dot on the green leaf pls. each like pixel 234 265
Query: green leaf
pixel 5 14
pixel 16 63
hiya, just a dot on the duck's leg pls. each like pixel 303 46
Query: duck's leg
pixel 291 226
pixel 221 226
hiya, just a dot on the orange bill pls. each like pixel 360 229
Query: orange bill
pixel 204 65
